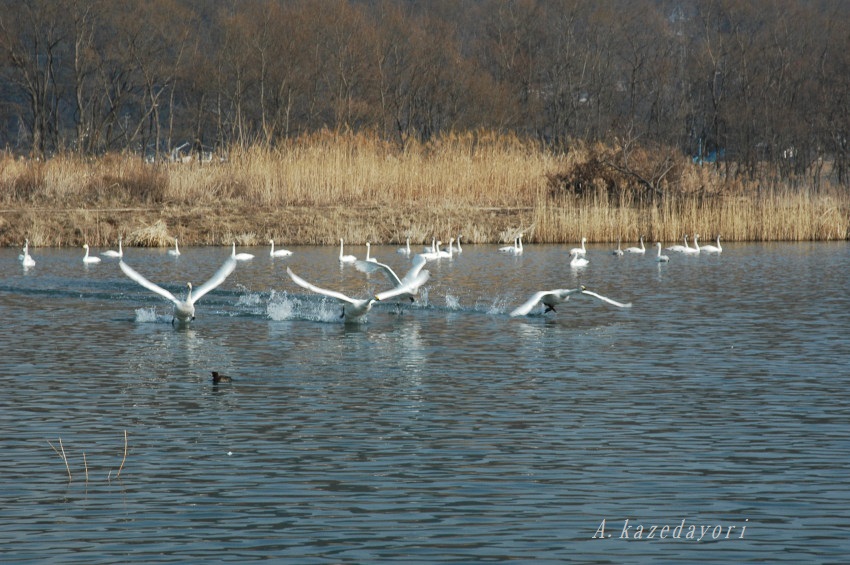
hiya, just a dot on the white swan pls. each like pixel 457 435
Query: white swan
pixel 279 252
pixel 639 250
pixel 448 253
pixel 25 257
pixel 354 308
pixel 619 250
pixel 661 258
pixel 458 249
pixel 577 260
pixel 113 253
pixel 184 310
pixel 679 248
pixel 406 249
pixel 712 248
pixel 516 249
pixel 580 250
pixel 413 274
pixel 345 258
pixel 176 251
pixel 89 258
pixel 551 298
pixel 695 249
pixel 434 253
pixel 432 248
pixel 368 251
pixel 241 256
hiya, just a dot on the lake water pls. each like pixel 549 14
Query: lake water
pixel 445 432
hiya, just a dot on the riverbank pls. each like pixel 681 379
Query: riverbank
pixel 326 186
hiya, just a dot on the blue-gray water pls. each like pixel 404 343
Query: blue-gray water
pixel 450 432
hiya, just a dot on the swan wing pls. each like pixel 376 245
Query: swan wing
pixel 130 272
pixel 606 299
pixel 529 304
pixel 410 287
pixel 372 266
pixel 222 273
pixel 331 293
pixel 418 262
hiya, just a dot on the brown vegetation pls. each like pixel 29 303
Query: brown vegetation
pixel 320 187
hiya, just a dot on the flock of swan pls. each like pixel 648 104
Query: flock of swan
pixel 401 288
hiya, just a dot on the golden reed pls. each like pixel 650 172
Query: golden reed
pixel 327 185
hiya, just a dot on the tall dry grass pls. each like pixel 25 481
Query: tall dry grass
pixel 327 185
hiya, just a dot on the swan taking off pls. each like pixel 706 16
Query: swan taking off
pixel 345 258
pixel 661 258
pixel 113 253
pixel 89 258
pixel 413 275
pixel 25 257
pixel 712 248
pixel 279 252
pixel 639 250
pixel 354 308
pixel 551 298
pixel 240 256
pixel 176 251
pixel 580 250
pixel 184 310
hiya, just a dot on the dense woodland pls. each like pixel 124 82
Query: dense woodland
pixel 757 86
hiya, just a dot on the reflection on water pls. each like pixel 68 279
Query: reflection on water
pixel 443 431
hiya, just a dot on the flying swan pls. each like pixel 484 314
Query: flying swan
pixel 354 308
pixel 413 274
pixel 184 310
pixel 552 298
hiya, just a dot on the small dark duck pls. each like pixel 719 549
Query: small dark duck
pixel 218 378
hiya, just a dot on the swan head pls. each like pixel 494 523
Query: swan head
pixel 85 246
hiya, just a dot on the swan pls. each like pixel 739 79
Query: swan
pixel 241 256
pixel 435 253
pixel 619 250
pixel 354 308
pixel 577 260
pixel 184 310
pixel 89 258
pixel 113 253
pixel 712 248
pixel 695 249
pixel 448 253
pixel 368 250
pixel 432 248
pixel 413 274
pixel 457 249
pixel 639 250
pixel 661 258
pixel 406 249
pixel 580 250
pixel 551 298
pixel 279 252
pixel 25 256
pixel 516 249
pixel 679 248
pixel 176 251
pixel 345 258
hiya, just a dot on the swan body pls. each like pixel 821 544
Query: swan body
pixel 638 250
pixel 619 250
pixel 516 249
pixel 661 258
pixel 345 258
pixel 580 250
pixel 25 257
pixel 406 249
pixel 354 308
pixel 176 251
pixel 184 310
pixel 89 258
pixel 279 252
pixel 113 253
pixel 241 256
pixel 552 298
pixel 679 248
pixel 695 249
pixel 712 248
pixel 413 274
pixel 577 260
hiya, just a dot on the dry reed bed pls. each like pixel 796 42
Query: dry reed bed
pixel 320 187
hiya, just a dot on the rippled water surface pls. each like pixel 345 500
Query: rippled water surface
pixel 446 431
